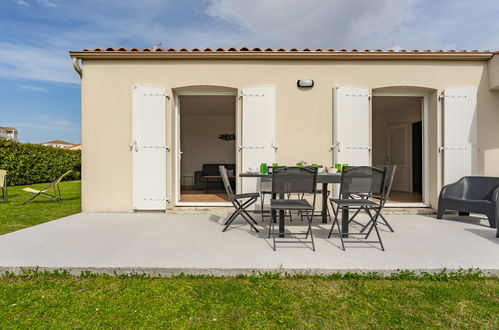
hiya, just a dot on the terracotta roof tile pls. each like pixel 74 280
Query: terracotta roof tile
pixel 358 53
pixel 270 50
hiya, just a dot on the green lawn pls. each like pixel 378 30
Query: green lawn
pixel 62 301
pixel 14 216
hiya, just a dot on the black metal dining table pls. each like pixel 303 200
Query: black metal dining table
pixel 322 178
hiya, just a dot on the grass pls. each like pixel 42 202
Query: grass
pixel 269 301
pixel 15 216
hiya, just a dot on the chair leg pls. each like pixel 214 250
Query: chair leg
pixel 273 234
pixel 248 221
pixel 375 226
pixel 379 237
pixel 309 230
pixel 230 218
pixel 336 222
pixel 386 223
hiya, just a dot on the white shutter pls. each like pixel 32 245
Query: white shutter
pixel 352 126
pixel 258 131
pixel 149 148
pixel 459 136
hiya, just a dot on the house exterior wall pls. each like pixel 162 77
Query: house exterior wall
pixel 8 134
pixel 304 117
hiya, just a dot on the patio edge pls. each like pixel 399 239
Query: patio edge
pixel 227 272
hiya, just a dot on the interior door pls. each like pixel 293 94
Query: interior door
pixel 398 153
pixel 258 132
pixel 149 148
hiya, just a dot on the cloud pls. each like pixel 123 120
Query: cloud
pixel 33 88
pixel 47 3
pixel 18 61
pixel 48 123
pixel 22 3
pixel 37 49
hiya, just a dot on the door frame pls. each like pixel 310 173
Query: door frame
pixel 426 135
pixel 177 153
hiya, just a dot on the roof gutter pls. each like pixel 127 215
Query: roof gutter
pixel 180 55
pixel 76 66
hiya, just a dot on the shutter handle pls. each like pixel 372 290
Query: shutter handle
pixel 133 146
pixel 440 149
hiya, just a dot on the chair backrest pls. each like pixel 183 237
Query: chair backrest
pixel 288 180
pixel 3 178
pixel 226 182
pixel 389 176
pixel 59 179
pixel 56 181
pixel 478 187
pixel 362 180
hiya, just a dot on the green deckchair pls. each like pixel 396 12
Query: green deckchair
pixel 46 191
pixel 3 183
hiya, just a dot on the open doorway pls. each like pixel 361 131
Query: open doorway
pixel 398 139
pixel 207 125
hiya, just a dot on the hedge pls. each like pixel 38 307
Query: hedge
pixel 33 163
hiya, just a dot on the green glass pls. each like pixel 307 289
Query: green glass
pixel 299 164
pixel 275 164
pixel 338 167
pixel 345 165
pixel 263 168
pixel 314 165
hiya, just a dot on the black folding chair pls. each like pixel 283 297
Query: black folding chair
pixel 240 201
pixel 360 180
pixel 390 174
pixel 266 189
pixel 288 181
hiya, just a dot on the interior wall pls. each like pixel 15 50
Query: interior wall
pixel 202 120
pixel 390 111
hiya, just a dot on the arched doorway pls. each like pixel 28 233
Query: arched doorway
pixel 399 137
pixel 205 131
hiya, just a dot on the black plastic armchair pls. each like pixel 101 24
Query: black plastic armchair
pixel 476 194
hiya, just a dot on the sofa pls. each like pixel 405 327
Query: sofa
pixel 477 194
pixel 209 177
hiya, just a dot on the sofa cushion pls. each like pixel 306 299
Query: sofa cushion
pixel 212 169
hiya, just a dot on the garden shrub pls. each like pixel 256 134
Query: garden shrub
pixel 28 163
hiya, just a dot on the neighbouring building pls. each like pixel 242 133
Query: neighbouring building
pixel 8 133
pixel 75 147
pixel 152 119
pixel 59 144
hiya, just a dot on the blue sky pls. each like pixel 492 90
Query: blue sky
pixel 40 92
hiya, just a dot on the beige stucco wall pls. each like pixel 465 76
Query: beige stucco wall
pixel 304 117
pixel 494 72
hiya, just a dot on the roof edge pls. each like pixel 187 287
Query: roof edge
pixel 289 55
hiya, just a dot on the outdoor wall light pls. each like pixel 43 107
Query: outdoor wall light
pixel 305 83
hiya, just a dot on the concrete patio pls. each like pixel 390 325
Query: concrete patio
pixel 163 244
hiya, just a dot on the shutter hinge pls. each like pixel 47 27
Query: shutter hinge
pixel 157 94
pixel 157 147
pixel 157 199
pixel 441 97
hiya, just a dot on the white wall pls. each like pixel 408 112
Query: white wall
pixel 202 120
pixel 389 111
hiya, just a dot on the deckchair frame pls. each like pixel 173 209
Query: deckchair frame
pixel 56 196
